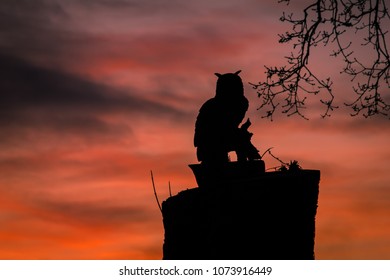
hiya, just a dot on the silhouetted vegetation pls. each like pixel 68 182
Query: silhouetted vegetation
pixel 346 26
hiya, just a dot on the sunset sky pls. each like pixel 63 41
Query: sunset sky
pixel 96 93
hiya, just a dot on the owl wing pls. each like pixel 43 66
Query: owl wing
pixel 206 115
pixel 242 107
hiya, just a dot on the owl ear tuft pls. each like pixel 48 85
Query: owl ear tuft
pixel 238 72
pixel 218 75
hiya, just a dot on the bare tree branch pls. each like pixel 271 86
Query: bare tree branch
pixel 327 22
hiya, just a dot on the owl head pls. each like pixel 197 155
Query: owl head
pixel 229 86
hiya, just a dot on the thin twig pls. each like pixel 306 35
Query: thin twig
pixel 169 186
pixel 278 159
pixel 155 193
pixel 266 151
pixel 273 168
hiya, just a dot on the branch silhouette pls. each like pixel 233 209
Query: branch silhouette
pixel 328 22
pixel 155 192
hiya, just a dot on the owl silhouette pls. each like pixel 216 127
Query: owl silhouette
pixel 217 129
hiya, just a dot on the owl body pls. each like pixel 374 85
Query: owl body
pixel 217 125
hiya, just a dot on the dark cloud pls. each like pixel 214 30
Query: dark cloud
pixel 96 214
pixel 34 96
pixel 23 24
pixel 153 32
pixel 30 13
pixel 133 7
